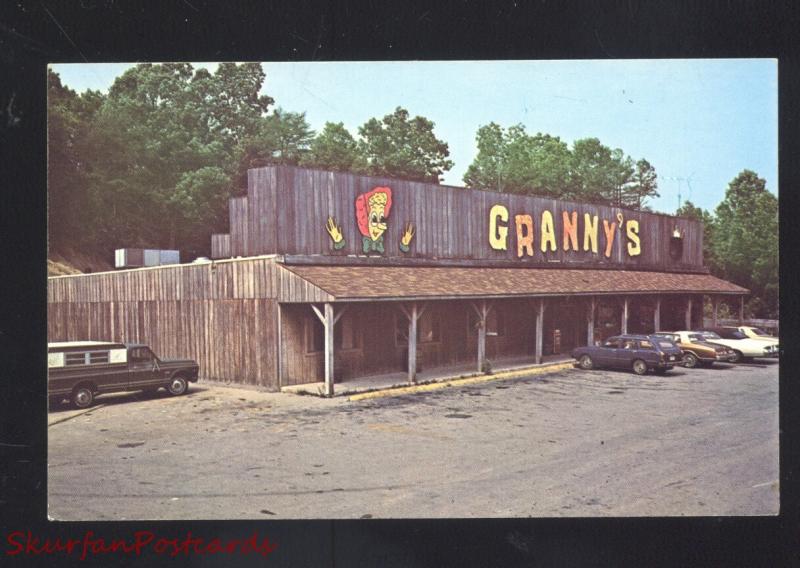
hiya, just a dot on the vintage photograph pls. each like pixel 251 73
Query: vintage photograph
pixel 419 289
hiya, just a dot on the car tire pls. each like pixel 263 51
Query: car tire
pixel 586 363
pixel 738 357
pixel 639 367
pixel 82 396
pixel 177 385
pixel 689 360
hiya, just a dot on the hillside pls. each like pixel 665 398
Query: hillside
pixel 71 262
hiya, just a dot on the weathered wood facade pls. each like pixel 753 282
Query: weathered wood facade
pixel 314 309
pixel 286 208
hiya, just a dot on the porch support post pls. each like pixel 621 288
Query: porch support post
pixel 714 306
pixel 657 314
pixel 624 327
pixel 539 329
pixel 482 310
pixel 741 310
pixel 689 314
pixel 412 344
pixel 328 322
pixel 590 321
pixel 413 313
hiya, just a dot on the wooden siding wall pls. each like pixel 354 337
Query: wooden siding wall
pixel 224 315
pixel 286 209
pixel 379 352
pixel 232 340
pixel 239 279
pixel 220 246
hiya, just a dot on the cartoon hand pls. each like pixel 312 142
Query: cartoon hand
pixel 335 232
pixel 408 234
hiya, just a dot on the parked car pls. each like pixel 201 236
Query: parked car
pixel 80 370
pixel 639 353
pixel 744 347
pixel 759 334
pixel 697 351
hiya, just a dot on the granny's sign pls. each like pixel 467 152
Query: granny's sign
pixel 568 230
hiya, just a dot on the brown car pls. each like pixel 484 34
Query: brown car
pixel 697 351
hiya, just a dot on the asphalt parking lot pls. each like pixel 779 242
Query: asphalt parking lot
pixel 570 443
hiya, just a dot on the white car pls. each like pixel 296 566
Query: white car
pixel 757 333
pixel 743 347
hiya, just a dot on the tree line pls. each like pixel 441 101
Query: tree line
pixel 153 162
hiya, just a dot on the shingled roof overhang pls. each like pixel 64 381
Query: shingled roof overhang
pixel 370 283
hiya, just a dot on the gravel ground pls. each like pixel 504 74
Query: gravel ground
pixel 571 443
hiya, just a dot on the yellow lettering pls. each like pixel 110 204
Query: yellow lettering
pixel 590 232
pixel 610 231
pixel 498 234
pixel 524 241
pixel 570 230
pixel 632 230
pixel 548 232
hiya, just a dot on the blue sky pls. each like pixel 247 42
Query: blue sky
pixel 700 119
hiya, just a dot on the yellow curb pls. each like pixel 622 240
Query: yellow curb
pixel 456 381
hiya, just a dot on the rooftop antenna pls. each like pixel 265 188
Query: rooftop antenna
pixel 689 185
pixel 679 180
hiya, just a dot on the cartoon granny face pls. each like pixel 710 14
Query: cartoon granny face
pixel 377 215
pixel 372 214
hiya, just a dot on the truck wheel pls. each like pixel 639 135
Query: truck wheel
pixel 639 367
pixel 586 362
pixel 177 386
pixel 82 396
pixel 689 360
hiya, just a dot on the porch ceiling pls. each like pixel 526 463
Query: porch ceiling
pixel 360 283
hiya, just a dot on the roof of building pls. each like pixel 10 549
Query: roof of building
pixel 353 283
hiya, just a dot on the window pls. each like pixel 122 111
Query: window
pixel 665 344
pixel 629 344
pixel 76 359
pixel 346 334
pixel 315 335
pixel 428 328
pixel 86 358
pixel 645 344
pixel 98 357
pixel 141 357
pixel 495 322
pixel 614 343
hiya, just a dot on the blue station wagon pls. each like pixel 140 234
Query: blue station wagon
pixel 639 353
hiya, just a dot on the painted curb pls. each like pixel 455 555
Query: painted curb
pixel 459 381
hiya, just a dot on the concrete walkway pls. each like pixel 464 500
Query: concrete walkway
pixel 436 375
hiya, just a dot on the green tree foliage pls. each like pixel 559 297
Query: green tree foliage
pixel 69 118
pixel 642 185
pixel 745 241
pixel 513 161
pixel 156 157
pixel 281 138
pixel 335 149
pixel 403 147
pixel 600 174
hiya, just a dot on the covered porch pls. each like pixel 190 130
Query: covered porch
pixel 371 327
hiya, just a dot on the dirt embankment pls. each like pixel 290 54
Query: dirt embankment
pixel 64 262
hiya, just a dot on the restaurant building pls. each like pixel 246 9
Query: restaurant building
pixel 328 277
